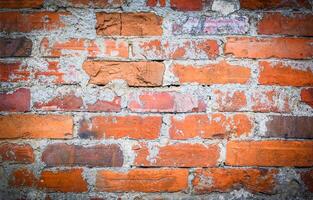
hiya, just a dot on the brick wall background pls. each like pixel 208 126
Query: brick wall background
pixel 156 99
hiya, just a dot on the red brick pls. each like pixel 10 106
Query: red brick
pixel 274 4
pixel 307 178
pixel 284 74
pixel 165 102
pixel 62 154
pixel 67 102
pixel 220 73
pixel 307 96
pixel 142 180
pixel 270 153
pixel 22 178
pixel 16 101
pixel 187 5
pixel 129 24
pixel 96 3
pixel 226 180
pixel 15 47
pixel 35 126
pixel 134 127
pixel 175 49
pixel 105 106
pixel 153 3
pixel 13 72
pixel 177 155
pixel 230 101
pixel 28 22
pixel 209 126
pixel 276 23
pixel 251 47
pixel 70 180
pixel 15 4
pixel 134 73
pixel 16 153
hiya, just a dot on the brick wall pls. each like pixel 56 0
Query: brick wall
pixel 156 99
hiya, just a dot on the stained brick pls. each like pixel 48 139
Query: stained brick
pixel 307 178
pixel 134 73
pixel 22 178
pixel 62 154
pixel 270 153
pixel 96 3
pixel 35 126
pixel 226 180
pixel 15 47
pixel 186 5
pixel 165 102
pixel 261 4
pixel 142 180
pixel 177 155
pixel 307 96
pixel 15 4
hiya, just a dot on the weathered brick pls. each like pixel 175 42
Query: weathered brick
pixel 289 127
pixel 22 178
pixel 165 102
pixel 15 47
pixel 307 96
pixel 16 101
pixel 209 126
pixel 186 5
pixel 277 23
pixel 279 73
pixel 15 4
pixel 175 49
pixel 35 126
pixel 142 180
pixel 204 25
pixel 229 179
pixel 113 105
pixel 230 100
pixel 68 102
pixel 307 178
pixel 28 22
pixel 70 180
pixel 219 73
pixel 134 73
pixel 134 127
pixel 270 153
pixel 260 100
pixel 251 47
pixel 103 48
pixel 261 4
pixel 153 3
pixel 62 154
pixel 129 24
pixel 177 155
pixel 13 72
pixel 16 153
pixel 95 3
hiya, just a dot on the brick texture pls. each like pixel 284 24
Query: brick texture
pixel 16 101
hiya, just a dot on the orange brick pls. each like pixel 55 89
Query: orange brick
pixel 13 4
pixel 270 153
pixel 63 181
pixel 153 3
pixel 142 180
pixel 134 73
pixel 220 73
pixel 96 3
pixel 135 127
pixel 177 155
pixel 35 126
pixel 230 101
pixel 277 23
pixel 251 47
pixel 226 180
pixel 129 24
pixel 22 178
pixel 283 74
pixel 209 126
pixel 187 5
pixel 16 153
pixel 307 96
pixel 28 22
